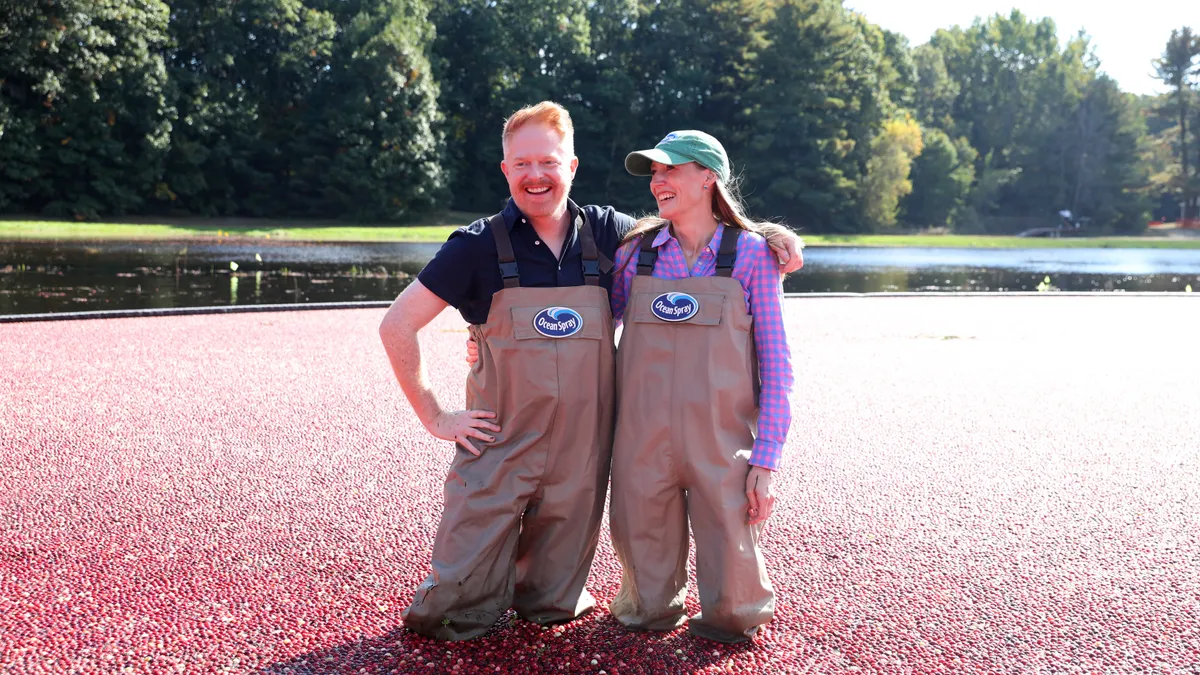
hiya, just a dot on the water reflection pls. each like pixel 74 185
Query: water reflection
pixel 1108 261
pixel 44 277
pixel 48 277
pixel 892 270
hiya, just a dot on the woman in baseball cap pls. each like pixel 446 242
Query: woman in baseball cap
pixel 696 443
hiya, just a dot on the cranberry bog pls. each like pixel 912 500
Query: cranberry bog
pixel 972 485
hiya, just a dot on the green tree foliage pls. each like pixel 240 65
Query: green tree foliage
pixel 319 110
pixel 371 129
pixel 1102 145
pixel 85 118
pixel 887 179
pixel 1000 65
pixel 935 92
pixel 692 70
pixel 1160 154
pixel 895 69
pixel 379 110
pixel 693 57
pixel 942 176
pixel 1177 69
pixel 817 100
pixel 241 75
pixel 607 123
pixel 493 58
pixel 984 198
pixel 1039 117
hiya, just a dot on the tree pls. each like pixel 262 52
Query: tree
pixel 887 179
pixel 1103 144
pixel 371 129
pixel 491 59
pixel 984 197
pixel 602 104
pixel 382 109
pixel 895 68
pixel 935 92
pixel 692 67
pixel 1176 68
pixel 241 74
pixel 1159 155
pixel 941 180
pixel 82 102
pixel 321 110
pixel 814 101
pixel 1018 92
pixel 999 66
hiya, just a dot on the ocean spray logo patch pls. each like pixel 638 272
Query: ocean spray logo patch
pixel 675 306
pixel 558 322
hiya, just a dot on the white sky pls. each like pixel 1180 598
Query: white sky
pixel 1126 36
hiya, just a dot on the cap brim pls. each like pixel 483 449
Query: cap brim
pixel 638 163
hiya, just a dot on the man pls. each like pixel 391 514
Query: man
pixel 524 498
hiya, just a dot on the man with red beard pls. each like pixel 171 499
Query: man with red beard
pixel 525 493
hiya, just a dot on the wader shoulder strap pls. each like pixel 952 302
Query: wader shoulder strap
pixel 504 252
pixel 595 263
pixel 648 255
pixel 727 255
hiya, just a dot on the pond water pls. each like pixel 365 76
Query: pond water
pixel 40 277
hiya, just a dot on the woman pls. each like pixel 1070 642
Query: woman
pixel 700 295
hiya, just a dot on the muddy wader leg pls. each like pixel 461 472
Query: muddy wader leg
pixel 561 525
pixel 474 554
pixel 555 550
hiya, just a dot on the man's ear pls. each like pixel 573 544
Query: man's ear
pixel 574 165
pixel 504 168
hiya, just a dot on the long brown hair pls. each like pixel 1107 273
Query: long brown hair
pixel 727 207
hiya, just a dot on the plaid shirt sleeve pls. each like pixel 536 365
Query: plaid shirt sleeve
pixel 764 288
pixel 624 270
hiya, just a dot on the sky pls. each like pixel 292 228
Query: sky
pixel 1126 37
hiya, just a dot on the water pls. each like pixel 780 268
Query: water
pixel 882 270
pixel 63 277
pixel 72 277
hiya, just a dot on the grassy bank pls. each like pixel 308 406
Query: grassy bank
pixel 436 229
pixel 432 229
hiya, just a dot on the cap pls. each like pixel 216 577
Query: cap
pixel 681 147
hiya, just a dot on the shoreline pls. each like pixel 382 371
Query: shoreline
pixel 281 233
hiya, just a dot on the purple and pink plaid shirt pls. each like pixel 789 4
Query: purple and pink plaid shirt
pixel 757 268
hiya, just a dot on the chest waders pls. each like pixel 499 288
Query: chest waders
pixel 687 376
pixel 521 521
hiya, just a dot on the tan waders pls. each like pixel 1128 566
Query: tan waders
pixel 687 376
pixel 521 521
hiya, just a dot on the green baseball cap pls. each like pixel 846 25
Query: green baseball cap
pixel 681 147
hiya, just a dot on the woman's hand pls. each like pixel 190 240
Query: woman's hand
pixel 760 494
pixel 460 425
pixel 472 351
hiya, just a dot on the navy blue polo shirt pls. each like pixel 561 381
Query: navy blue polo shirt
pixel 466 270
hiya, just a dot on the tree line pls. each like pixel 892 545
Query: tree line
pixel 384 110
